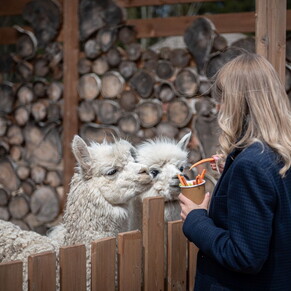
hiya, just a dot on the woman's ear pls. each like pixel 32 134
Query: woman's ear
pixel 184 141
pixel 82 155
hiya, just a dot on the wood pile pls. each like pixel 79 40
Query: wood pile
pixel 124 91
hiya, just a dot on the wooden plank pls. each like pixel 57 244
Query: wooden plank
pixel 139 3
pixel 103 264
pixel 192 264
pixel 153 243
pixel 70 118
pixel 73 268
pixel 177 243
pixel 42 271
pixel 129 260
pixel 161 27
pixel 11 276
pixel 271 33
pixel 15 7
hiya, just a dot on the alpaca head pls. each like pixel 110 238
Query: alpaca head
pixel 165 158
pixel 111 169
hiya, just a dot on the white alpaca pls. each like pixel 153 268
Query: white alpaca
pixel 107 177
pixel 165 158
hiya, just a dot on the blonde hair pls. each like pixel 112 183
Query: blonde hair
pixel 254 107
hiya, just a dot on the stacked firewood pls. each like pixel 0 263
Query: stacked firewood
pixel 124 91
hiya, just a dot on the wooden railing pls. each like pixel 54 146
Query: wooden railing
pixel 138 254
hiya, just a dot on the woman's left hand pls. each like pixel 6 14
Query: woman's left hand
pixel 187 205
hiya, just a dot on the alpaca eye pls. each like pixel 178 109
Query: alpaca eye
pixel 181 169
pixel 154 173
pixel 111 172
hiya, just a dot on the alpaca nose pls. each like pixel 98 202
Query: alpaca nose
pixel 143 170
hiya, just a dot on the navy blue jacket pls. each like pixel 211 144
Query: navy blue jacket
pixel 245 240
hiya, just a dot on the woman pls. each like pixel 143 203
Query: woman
pixel 245 237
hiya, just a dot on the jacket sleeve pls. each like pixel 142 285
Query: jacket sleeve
pixel 250 200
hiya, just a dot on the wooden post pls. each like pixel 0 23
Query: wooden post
pixel 271 33
pixel 70 120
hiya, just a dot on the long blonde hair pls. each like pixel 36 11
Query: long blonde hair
pixel 254 107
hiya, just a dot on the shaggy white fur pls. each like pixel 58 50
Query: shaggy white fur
pixel 165 158
pixel 106 178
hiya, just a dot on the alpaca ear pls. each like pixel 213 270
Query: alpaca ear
pixel 81 153
pixel 184 141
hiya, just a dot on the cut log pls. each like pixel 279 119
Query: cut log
pixel 108 112
pixel 4 197
pixel 89 86
pixel 39 88
pixel 86 111
pixel 92 132
pixel 39 109
pixel 41 67
pixel 24 69
pixel 134 51
pixel 43 145
pixel 106 38
pixel 150 113
pixel 21 115
pixel 127 69
pixel 19 206
pixel 180 58
pixel 205 86
pixel 199 38
pixel 3 125
pixel 26 44
pixel 219 43
pixel 100 65
pixel 167 129
pixel 4 147
pixel 150 66
pixel 149 54
pixel 4 213
pixel 128 100
pixel 248 44
pixel 54 53
pixel 45 204
pixel 54 112
pixel 165 53
pixel 32 221
pixel 179 112
pixel 84 66
pixel 112 84
pixel 114 14
pixel 45 17
pixel 92 49
pixel 55 90
pixel 91 18
pixel 28 186
pixel 15 135
pixel 114 56
pixel 7 97
pixel 23 172
pixel 143 83
pixel 127 34
pixel 20 223
pixel 25 94
pixel 38 174
pixel 16 153
pixel 164 69
pixel 217 60
pixel 149 133
pixel 187 82
pixel 53 179
pixel 129 123
pixel 57 72
pixel 164 91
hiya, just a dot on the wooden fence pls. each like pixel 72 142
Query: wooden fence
pixel 138 254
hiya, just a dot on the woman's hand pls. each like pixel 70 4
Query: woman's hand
pixel 187 205
pixel 218 165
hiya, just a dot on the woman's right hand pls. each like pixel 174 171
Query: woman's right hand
pixel 218 164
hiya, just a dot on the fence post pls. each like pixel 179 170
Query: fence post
pixel 103 260
pixel 42 271
pixel 73 268
pixel 153 243
pixel 192 264
pixel 177 263
pixel 11 276
pixel 129 261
